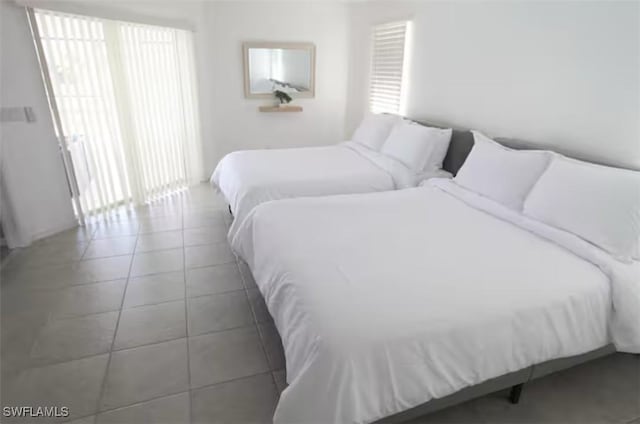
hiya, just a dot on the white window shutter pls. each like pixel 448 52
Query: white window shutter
pixel 387 67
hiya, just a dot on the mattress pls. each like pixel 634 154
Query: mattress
pixel 387 300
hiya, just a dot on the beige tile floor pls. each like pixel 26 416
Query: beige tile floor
pixel 149 317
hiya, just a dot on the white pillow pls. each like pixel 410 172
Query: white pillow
pixel 420 148
pixel 597 203
pixel 500 173
pixel 374 130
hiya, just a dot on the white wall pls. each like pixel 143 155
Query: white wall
pixel 35 195
pixel 235 121
pixel 563 74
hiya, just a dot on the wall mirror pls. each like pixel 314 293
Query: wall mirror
pixel 288 67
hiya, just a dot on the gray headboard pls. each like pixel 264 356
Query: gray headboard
pixel 462 142
pixel 459 148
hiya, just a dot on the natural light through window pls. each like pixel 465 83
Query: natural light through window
pixel 127 102
pixel 389 65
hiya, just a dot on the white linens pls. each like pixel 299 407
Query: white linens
pixel 250 177
pixel 387 300
pixel 624 325
pixel 599 203
pixel 500 173
pixel 374 130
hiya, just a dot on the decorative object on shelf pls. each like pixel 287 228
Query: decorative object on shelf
pixel 283 106
pixel 283 97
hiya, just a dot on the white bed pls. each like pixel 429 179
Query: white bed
pixel 250 177
pixel 387 300
pixel 385 153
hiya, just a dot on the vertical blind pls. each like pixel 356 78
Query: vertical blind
pixel 126 97
pixel 387 67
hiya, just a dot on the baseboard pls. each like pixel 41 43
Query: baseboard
pixel 64 226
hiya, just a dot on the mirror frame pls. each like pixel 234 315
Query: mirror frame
pixel 278 45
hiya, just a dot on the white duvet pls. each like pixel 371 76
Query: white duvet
pixel 387 300
pixel 249 177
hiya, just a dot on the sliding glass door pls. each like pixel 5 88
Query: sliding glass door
pixel 125 94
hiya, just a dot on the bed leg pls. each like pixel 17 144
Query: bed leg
pixel 516 391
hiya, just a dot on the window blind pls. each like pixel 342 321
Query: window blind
pixel 127 101
pixel 387 67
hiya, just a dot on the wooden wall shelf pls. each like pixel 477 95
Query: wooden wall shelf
pixel 288 108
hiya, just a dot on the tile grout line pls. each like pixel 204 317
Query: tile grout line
pixel 154 343
pixel 257 326
pixel 140 252
pixel 86 248
pixel 113 340
pixel 188 391
pixel 186 317
pixel 129 405
pixel 219 383
pixel 163 302
pixel 69 286
pixel 76 262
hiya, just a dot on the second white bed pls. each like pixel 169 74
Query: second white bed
pixel 250 177
pixel 387 300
